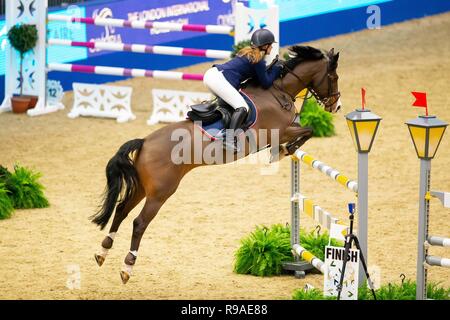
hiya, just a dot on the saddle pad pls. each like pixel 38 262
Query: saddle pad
pixel 216 130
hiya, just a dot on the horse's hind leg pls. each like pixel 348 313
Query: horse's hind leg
pixel 151 208
pixel 122 211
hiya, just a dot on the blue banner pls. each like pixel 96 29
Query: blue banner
pixel 295 9
pixel 175 11
pixel 66 31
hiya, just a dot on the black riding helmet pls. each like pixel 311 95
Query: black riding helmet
pixel 262 37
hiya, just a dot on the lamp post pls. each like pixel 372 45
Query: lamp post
pixel 426 133
pixel 363 126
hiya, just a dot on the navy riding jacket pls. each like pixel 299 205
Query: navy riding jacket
pixel 240 69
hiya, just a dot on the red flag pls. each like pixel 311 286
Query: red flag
pixel 363 98
pixel 421 100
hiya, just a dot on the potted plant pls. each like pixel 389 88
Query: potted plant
pixel 22 38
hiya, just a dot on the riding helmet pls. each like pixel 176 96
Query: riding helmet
pixel 262 37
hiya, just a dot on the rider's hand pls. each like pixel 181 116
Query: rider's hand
pixel 279 64
pixel 274 61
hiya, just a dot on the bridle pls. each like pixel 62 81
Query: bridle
pixel 327 101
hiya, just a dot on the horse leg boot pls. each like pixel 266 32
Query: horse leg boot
pixel 147 214
pixel 106 245
pixel 238 117
pixel 122 212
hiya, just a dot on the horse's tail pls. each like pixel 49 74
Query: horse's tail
pixel 120 170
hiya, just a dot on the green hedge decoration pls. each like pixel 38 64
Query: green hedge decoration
pixel 264 250
pixel 25 189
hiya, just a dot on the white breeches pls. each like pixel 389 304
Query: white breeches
pixel 216 82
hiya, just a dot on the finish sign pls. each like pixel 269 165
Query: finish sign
pixel 334 259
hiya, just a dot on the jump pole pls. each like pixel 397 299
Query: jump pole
pixel 144 24
pixel 124 72
pixel 141 48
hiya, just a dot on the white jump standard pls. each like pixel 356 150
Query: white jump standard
pixel 426 133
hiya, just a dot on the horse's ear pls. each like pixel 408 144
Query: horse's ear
pixel 334 60
pixel 331 52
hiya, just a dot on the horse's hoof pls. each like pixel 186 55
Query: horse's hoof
pixel 100 259
pixel 125 276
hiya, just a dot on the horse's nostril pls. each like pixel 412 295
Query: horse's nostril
pixel 338 108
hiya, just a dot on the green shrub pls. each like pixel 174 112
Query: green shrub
pixel 312 294
pixel 316 243
pixel 314 116
pixel 436 292
pixel 404 291
pixel 26 191
pixel 263 251
pixel 6 205
pixel 4 174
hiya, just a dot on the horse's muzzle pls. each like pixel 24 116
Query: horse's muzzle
pixel 337 106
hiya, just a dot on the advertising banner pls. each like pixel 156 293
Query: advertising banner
pixel 175 11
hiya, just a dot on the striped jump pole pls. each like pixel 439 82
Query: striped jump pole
pixel 141 48
pixel 309 257
pixel 438 261
pixel 444 197
pixel 327 170
pixel 124 72
pixel 142 24
pixel 316 212
pixel 439 241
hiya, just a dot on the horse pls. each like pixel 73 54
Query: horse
pixel 145 168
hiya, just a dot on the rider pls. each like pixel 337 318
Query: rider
pixel 225 79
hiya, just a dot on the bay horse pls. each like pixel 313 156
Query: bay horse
pixel 145 168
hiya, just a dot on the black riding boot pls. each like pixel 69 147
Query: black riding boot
pixel 238 117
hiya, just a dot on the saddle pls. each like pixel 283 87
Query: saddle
pixel 211 111
pixel 215 116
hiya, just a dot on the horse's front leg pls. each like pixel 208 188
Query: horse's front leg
pixel 294 137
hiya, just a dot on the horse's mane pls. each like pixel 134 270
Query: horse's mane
pixel 300 54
